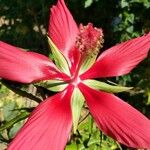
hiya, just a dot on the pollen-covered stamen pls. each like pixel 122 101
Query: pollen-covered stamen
pixel 89 40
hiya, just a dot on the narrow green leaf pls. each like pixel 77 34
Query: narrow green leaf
pixel 76 105
pixel 59 59
pixel 90 124
pixel 148 100
pixel 98 85
pixel 10 123
pixel 53 85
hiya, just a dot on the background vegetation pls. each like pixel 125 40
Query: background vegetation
pixel 25 23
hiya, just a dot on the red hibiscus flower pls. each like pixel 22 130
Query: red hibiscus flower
pixel 75 50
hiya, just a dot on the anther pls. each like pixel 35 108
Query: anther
pixel 90 40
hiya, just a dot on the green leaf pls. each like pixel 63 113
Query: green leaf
pixel 124 3
pixel 53 85
pixel 16 127
pixel 98 85
pixel 88 3
pixel 90 124
pixel 130 18
pixel 77 103
pixel 72 146
pixel 59 59
pixel 148 100
pixel 130 29
pixel 10 123
pixel 8 107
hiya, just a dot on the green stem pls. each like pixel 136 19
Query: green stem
pixel 20 92
pixel 18 118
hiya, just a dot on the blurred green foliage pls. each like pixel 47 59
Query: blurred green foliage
pixel 25 23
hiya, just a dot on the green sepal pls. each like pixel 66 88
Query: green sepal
pixel 87 63
pixel 58 57
pixel 53 85
pixel 77 102
pixel 98 85
pixel 10 123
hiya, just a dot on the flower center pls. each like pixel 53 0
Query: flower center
pixel 89 40
pixel 76 80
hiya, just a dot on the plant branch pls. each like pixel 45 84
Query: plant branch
pixel 19 91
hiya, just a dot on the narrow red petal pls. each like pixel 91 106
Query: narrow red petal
pixel 25 67
pixel 117 118
pixel 49 125
pixel 120 59
pixel 63 31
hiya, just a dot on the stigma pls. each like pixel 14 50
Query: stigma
pixel 89 40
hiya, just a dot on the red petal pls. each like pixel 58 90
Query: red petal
pixel 117 118
pixel 63 30
pixel 120 59
pixel 21 66
pixel 49 125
